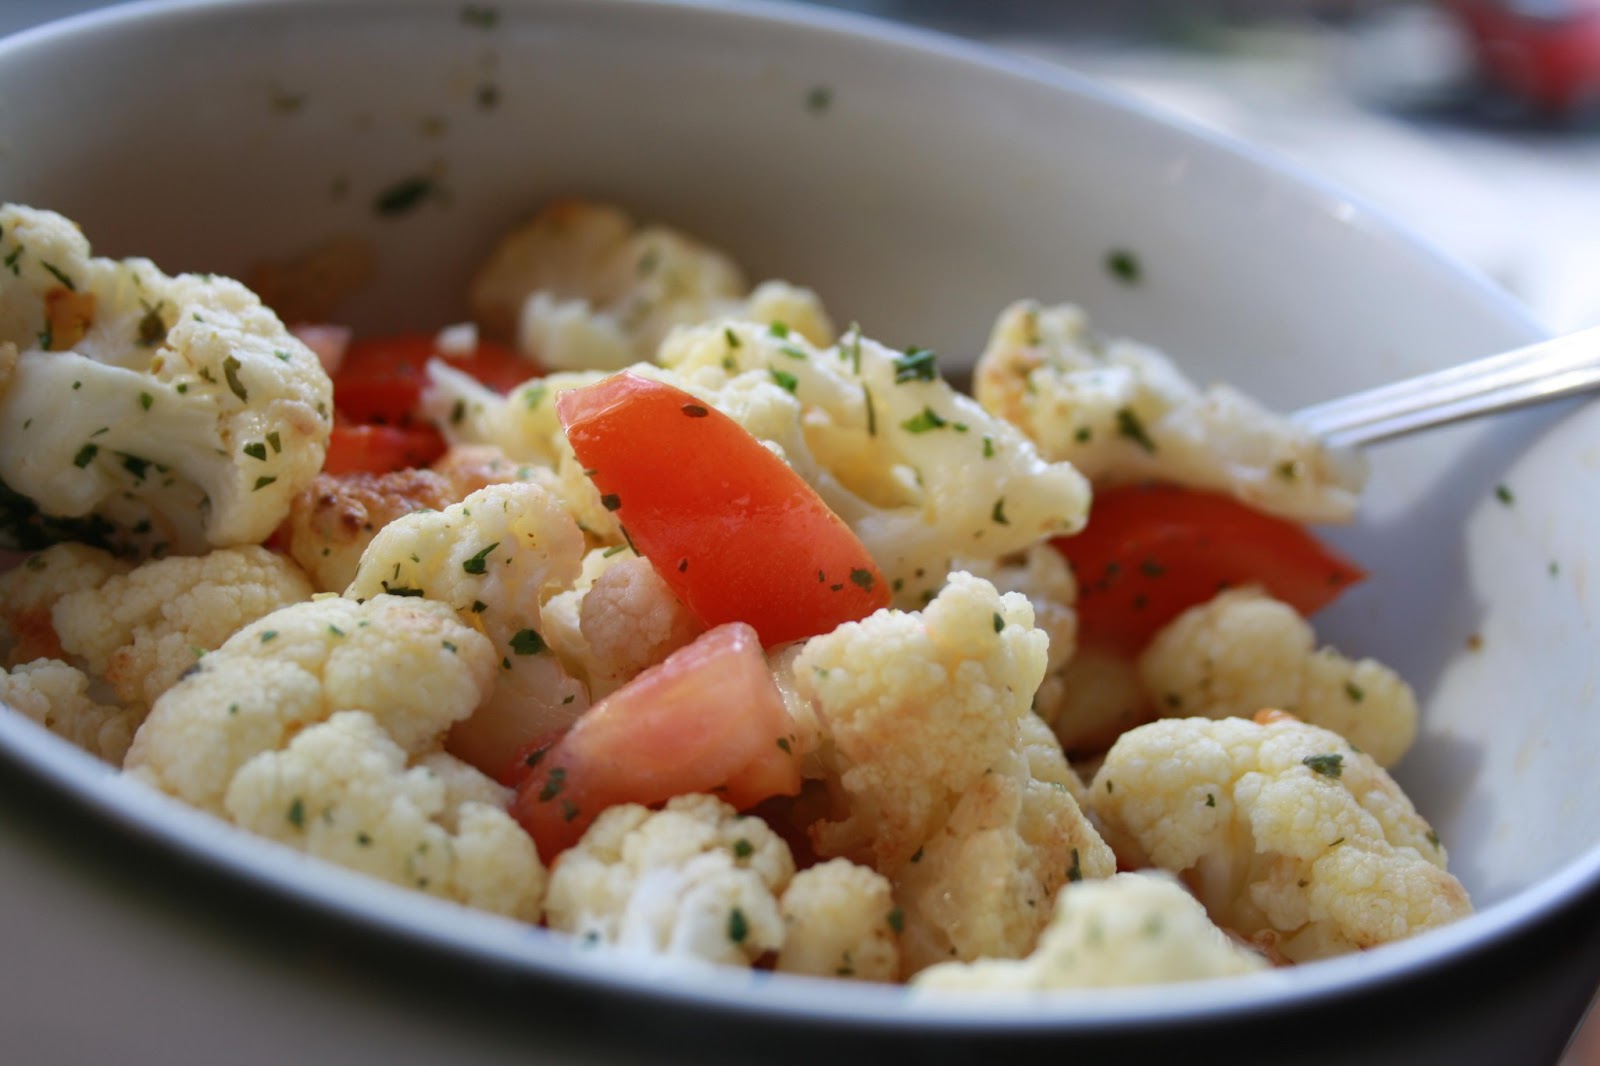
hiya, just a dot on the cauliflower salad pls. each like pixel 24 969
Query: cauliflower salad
pixel 654 608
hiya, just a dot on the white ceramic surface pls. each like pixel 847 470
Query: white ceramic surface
pixel 938 183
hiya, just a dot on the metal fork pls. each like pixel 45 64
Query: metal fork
pixel 1544 371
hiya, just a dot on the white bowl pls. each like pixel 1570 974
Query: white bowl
pixel 919 183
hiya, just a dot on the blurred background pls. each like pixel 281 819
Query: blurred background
pixel 1474 122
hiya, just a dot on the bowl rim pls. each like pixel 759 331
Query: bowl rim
pixel 501 943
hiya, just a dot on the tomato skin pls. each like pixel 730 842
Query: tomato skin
pixel 708 719
pixel 380 379
pixel 734 532
pixel 1150 552
pixel 378 449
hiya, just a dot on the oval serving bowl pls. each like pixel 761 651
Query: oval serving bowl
pixel 919 184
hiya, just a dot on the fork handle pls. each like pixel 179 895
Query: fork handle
pixel 1548 370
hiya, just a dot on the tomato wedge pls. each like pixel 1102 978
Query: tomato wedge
pixel 709 718
pixel 735 533
pixel 380 379
pixel 377 449
pixel 1150 552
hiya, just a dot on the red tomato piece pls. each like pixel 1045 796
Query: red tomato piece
pixel 380 379
pixel 709 718
pixel 736 533
pixel 376 449
pixel 1150 552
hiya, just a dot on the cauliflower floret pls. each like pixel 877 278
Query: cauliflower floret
pixel 949 784
pixel 920 472
pixel 56 696
pixel 580 286
pixel 495 557
pixel 29 593
pixel 1243 651
pixel 332 522
pixel 1287 834
pixel 409 662
pixel 695 880
pixel 1129 929
pixel 840 921
pixel 343 790
pixel 141 630
pixel 1041 574
pixel 182 412
pixel 619 618
pixel 1122 412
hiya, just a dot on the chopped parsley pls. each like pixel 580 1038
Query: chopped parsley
pixel 553 785
pixel 256 450
pixel 861 577
pixel 404 195
pixel 924 421
pixel 738 926
pixel 917 364
pixel 896 919
pixel 1131 426
pixel 262 482
pixel 1330 765
pixel 730 336
pixel 988 447
pixel 743 849
pixel 1354 691
pixel 611 501
pixel 527 642
pixel 85 455
pixel 479 563
pixel 1503 494
pixel 819 100
pixel 999 623
pixel 1075 871
pixel 146 401
pixel 784 379
pixel 484 17
pixel 59 275
pixel 998 515
pixel 778 329
pixel 230 371
pixel 297 813
pixel 1124 266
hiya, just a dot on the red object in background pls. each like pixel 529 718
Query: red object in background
pixel 1543 53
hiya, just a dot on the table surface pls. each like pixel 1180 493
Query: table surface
pixel 110 948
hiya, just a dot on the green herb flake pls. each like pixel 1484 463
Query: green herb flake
pixel 694 410
pixel 59 275
pixel 256 450
pixel 364 839
pixel 784 746
pixel 479 563
pixel 262 482
pixel 999 622
pixel 404 195
pixel 297 813
pixel 268 636
pixel 738 926
pixel 478 606
pixel 1331 765
pixel 1433 838
pixel 927 419
pixel 534 395
pixel 861 577
pixel 146 401
pixel 1075 871
pixel 230 371
pixel 134 465
pixel 872 412
pixel 1354 691
pixel 917 364
pixel 611 501
pixel 819 100
pixel 779 329
pixel 743 849
pixel 1211 799
pixel 85 455
pixel 988 447
pixel 998 515
pixel 730 336
pixel 400 590
pixel 916 856
pixel 275 441
pixel 527 642
pixel 896 919
pixel 1503 494
pixel 1131 426
pixel 553 785
pixel 784 379
pixel 1124 266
